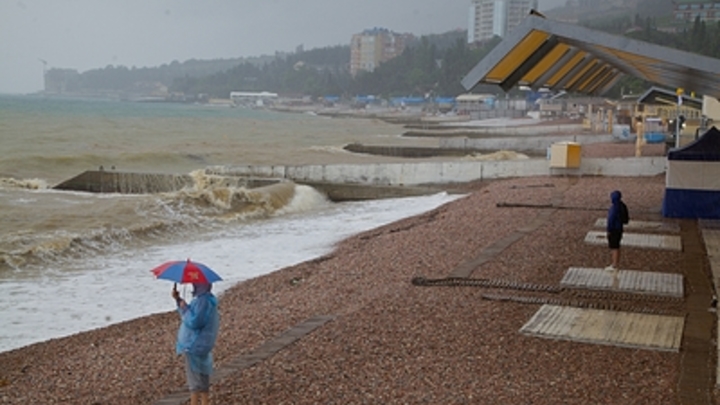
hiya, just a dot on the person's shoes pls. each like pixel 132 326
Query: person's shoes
pixel 610 268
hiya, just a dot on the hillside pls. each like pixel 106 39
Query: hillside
pixel 588 11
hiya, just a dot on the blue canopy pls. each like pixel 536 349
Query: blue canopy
pixel 705 148
pixel 692 185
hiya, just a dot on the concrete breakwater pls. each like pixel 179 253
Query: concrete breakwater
pixel 538 144
pixel 440 131
pixel 95 181
pixel 409 151
pixel 344 182
pixel 98 181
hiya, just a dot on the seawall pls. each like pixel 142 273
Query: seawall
pixel 344 182
pixel 437 173
pixel 524 143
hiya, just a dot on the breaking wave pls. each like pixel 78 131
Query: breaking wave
pixel 29 184
pixel 329 149
pixel 496 156
pixel 209 205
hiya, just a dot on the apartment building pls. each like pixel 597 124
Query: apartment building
pixel 372 47
pixel 689 10
pixel 488 18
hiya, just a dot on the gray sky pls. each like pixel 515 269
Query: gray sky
pixel 90 34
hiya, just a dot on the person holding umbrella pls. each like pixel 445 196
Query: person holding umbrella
pixel 199 324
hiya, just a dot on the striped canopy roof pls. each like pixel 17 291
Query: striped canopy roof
pixel 542 53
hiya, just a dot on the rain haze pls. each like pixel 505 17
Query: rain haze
pixel 91 34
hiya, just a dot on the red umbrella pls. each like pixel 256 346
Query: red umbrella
pixel 185 271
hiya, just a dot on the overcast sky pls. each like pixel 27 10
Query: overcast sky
pixel 91 34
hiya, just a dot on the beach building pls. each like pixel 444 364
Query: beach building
pixel 489 18
pixel 372 47
pixel 473 104
pixel 251 98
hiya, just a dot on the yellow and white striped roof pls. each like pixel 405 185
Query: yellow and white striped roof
pixel 542 53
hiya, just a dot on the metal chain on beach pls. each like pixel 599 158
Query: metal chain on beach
pixel 485 283
pixel 598 299
pixel 604 305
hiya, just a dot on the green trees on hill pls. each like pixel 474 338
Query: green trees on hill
pixel 315 72
pixel 700 38
pixel 423 69
pixel 433 65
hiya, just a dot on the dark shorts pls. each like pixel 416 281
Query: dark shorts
pixel 197 382
pixel 614 239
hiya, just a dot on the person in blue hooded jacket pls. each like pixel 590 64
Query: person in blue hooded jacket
pixel 615 228
pixel 196 338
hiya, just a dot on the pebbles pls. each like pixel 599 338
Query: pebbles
pixel 391 342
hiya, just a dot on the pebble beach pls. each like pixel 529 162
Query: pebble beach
pixel 389 341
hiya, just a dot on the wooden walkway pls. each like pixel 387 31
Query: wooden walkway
pixel 659 226
pixel 267 350
pixel 696 371
pixel 624 329
pixel 640 282
pixel 640 240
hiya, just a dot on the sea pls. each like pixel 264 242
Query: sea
pixel 75 261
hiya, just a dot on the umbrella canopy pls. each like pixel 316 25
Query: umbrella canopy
pixel 185 271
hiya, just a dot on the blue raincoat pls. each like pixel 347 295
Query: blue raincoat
pixel 199 329
pixel 614 220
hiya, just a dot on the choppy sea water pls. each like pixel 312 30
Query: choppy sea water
pixel 72 261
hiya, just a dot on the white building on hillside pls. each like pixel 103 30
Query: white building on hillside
pixel 374 46
pixel 489 18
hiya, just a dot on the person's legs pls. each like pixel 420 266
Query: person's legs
pixel 614 245
pixel 198 383
pixel 203 388
pixel 616 258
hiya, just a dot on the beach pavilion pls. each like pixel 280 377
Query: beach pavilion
pixel 542 53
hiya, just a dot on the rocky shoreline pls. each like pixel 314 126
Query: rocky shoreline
pixel 391 341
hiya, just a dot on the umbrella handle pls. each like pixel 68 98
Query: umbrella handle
pixel 174 286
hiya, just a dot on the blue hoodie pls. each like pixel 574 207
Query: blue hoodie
pixel 614 220
pixel 199 329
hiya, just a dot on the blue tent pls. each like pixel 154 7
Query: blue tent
pixel 692 180
pixel 407 101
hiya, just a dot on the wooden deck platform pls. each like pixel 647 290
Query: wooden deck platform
pixel 658 226
pixel 640 282
pixel 640 240
pixel 623 329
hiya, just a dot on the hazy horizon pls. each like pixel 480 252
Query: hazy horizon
pixel 88 34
